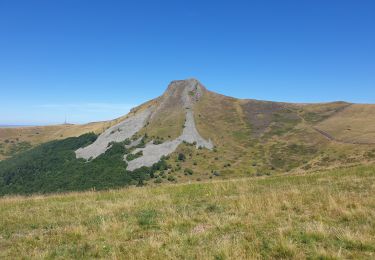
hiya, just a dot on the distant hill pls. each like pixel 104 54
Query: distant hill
pixel 188 133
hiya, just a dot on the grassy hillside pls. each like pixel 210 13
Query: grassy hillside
pixel 323 215
pixel 261 137
pixel 15 140
pixel 354 124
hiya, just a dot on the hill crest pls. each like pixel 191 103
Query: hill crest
pixel 180 95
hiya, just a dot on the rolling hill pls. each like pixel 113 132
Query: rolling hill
pixel 188 133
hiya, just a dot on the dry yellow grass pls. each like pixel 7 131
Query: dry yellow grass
pixel 325 215
pixel 355 123
pixel 40 134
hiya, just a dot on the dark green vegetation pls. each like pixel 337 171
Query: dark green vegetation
pixel 13 147
pixel 52 167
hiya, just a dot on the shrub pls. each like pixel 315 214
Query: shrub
pixel 171 178
pixel 215 173
pixel 132 156
pixel 142 143
pixel 158 180
pixel 157 141
pixel 188 171
pixel 181 157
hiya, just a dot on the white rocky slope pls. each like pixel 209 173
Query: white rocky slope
pixel 116 133
pixel 152 153
pixel 186 92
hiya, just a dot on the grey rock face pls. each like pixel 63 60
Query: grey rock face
pixel 116 133
pixel 153 153
pixel 183 93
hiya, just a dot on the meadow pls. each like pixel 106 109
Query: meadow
pixel 321 215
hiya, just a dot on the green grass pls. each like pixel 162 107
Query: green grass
pixel 323 215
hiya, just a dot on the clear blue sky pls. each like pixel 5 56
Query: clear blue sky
pixel 93 60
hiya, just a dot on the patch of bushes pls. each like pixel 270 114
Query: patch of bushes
pixel 158 140
pixel 132 156
pixel 171 178
pixel 181 157
pixel 188 171
pixel 142 143
pixel 158 180
pixel 53 167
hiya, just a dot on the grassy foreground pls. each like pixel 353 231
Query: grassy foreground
pixel 324 215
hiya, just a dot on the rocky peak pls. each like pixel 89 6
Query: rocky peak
pixel 187 92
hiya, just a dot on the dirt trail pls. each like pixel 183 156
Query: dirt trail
pixel 331 138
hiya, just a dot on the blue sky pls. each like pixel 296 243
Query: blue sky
pixel 93 60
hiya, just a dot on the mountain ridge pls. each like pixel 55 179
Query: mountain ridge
pixel 190 133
